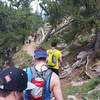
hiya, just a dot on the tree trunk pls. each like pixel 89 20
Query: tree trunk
pixel 97 41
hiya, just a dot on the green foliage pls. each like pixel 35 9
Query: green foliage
pixel 55 38
pixel 68 36
pixel 22 58
pixel 1 63
pixel 16 22
pixel 10 40
pixel 82 40
pixel 98 54
pixel 84 89
pixel 46 45
pixel 85 13
pixel 53 11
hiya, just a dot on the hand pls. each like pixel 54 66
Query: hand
pixel 62 69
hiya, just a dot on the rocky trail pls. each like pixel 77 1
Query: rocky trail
pixel 73 77
pixel 29 48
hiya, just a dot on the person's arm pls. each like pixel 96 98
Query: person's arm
pixel 61 61
pixel 56 87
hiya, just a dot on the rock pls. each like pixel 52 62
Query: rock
pixel 64 48
pixel 65 53
pixel 92 74
pixel 68 69
pixel 66 72
pixel 79 63
pixel 95 90
pixel 82 55
pixel 96 68
pixel 81 59
pixel 62 45
pixel 78 83
pixel 71 97
pixel 66 65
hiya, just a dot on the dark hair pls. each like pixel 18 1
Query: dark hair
pixel 54 44
pixel 43 59
pixel 4 93
pixel 39 48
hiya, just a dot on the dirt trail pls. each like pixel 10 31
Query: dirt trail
pixel 30 48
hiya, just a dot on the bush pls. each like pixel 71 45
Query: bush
pixel 84 89
pixel 22 58
pixel 68 37
pixel 53 38
pixel 98 54
pixel 1 63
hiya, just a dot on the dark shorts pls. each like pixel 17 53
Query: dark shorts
pixel 55 70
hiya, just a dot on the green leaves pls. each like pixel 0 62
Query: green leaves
pixel 85 13
pixel 22 58
pixel 53 11
pixel 16 22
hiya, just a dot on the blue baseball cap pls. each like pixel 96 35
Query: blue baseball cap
pixel 40 54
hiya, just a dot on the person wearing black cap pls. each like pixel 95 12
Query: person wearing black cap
pixel 12 83
pixel 52 82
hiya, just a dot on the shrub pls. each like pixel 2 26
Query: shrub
pixel 22 58
pixel 1 63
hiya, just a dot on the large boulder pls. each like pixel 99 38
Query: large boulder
pixel 81 59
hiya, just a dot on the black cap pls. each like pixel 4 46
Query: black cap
pixel 13 79
pixel 54 44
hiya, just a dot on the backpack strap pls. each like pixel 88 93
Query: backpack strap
pixel 47 92
pixel 43 74
pixel 29 73
pixel 46 75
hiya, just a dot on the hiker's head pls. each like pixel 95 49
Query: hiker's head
pixel 12 83
pixel 40 54
pixel 53 44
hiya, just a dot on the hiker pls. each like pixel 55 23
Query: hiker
pixel 12 83
pixel 6 64
pixel 30 39
pixel 46 83
pixel 54 59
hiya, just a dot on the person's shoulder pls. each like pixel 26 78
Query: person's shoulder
pixel 58 51
pixel 54 77
pixel 49 50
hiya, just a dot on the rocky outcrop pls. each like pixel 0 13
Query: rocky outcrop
pixel 81 59
pixel 67 71
pixel 75 97
pixel 92 68
pixel 85 60
pixel 96 90
pixel 72 97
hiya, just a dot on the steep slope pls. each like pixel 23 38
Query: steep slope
pixel 29 48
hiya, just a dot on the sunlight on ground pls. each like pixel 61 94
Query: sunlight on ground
pixel 29 48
